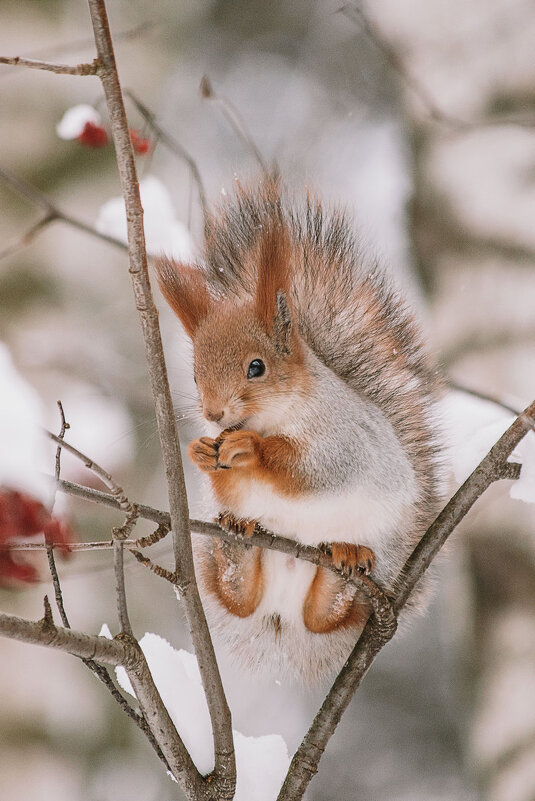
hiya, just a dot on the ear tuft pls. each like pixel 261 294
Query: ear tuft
pixel 185 290
pixel 282 324
pixel 273 283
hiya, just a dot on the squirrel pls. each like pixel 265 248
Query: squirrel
pixel 319 401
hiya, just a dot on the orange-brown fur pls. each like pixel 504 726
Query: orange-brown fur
pixel 234 576
pixel 328 606
pixel 274 283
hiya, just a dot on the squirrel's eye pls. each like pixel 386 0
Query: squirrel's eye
pixel 256 368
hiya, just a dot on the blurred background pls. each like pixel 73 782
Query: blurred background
pixel 420 118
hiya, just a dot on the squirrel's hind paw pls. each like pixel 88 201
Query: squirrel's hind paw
pixel 349 558
pixel 228 522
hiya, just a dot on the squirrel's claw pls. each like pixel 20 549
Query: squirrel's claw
pixel 203 453
pixel 349 558
pixel 228 522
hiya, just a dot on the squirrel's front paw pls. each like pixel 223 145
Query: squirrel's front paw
pixel 238 449
pixel 203 452
pixel 349 558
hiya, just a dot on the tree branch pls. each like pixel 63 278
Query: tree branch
pixel 100 672
pixel 60 69
pixel 173 145
pixel 39 199
pixel 234 118
pixel 260 538
pixel 122 650
pixel 28 236
pixel 356 12
pixel 225 768
pixel 305 762
pixel 116 491
pixel 87 646
pixel 488 471
pixel 486 396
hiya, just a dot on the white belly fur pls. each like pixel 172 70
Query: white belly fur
pixel 363 516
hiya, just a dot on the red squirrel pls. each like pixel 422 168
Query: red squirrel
pixel 319 401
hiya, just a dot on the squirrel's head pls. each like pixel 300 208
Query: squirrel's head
pixel 248 355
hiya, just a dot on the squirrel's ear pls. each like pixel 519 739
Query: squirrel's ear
pixel 282 324
pixel 273 279
pixel 185 290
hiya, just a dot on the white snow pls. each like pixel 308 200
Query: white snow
pixel 74 121
pixel 163 232
pixel 473 426
pixel 262 762
pixel 24 450
pixel 524 488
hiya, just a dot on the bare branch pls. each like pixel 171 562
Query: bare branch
pixel 48 619
pixel 125 651
pixel 511 471
pixel 85 43
pixel 49 548
pixel 488 471
pixel 103 498
pixel 100 672
pixel 61 69
pixel 39 199
pixel 375 635
pixel 234 118
pixel 86 646
pixel 27 237
pixel 119 535
pixel 486 396
pixel 356 12
pixel 105 477
pixel 224 779
pixel 173 145
pixel 158 570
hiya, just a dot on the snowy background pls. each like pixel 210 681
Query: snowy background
pixel 448 711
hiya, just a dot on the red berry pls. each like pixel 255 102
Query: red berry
pixel 140 143
pixel 22 516
pixel 93 135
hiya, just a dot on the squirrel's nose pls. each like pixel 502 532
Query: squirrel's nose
pixel 215 416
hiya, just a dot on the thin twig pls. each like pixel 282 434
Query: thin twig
pixel 158 570
pixel 120 589
pixel 86 42
pixel 119 535
pixel 28 236
pixel 486 396
pixel 60 69
pixel 49 548
pixel 356 12
pixel 116 490
pixel 234 118
pixel 172 144
pixel 48 618
pixel 100 672
pixel 39 199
